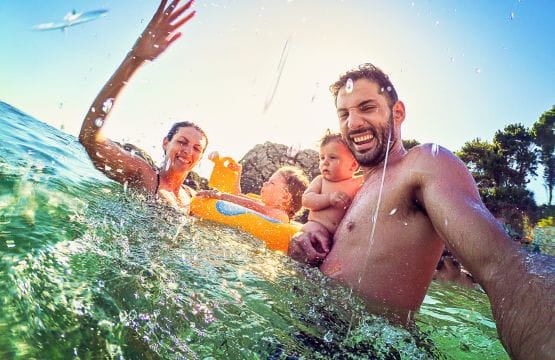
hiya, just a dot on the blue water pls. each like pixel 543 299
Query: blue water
pixel 88 271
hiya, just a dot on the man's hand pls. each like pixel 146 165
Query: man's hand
pixel 309 247
pixel 161 31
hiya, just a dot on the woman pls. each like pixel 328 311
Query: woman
pixel 185 142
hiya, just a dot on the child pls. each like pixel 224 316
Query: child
pixel 329 195
pixel 280 196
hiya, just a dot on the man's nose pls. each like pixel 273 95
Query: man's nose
pixel 354 121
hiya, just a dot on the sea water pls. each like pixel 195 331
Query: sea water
pixel 88 271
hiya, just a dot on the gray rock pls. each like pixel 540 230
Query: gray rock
pixel 264 159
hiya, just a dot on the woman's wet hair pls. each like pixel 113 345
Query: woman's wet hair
pixel 371 73
pixel 183 124
pixel 297 182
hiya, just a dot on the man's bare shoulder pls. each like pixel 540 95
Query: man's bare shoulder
pixel 432 157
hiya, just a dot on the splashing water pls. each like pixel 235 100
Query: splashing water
pixel 88 270
pixel 435 150
pixel 349 85
pixel 107 105
pixel 378 203
pixel 279 71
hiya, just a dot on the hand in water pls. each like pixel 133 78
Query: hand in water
pixel 161 31
pixel 309 247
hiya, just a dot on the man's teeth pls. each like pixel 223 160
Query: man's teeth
pixel 362 138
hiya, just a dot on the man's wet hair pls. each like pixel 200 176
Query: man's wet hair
pixel 184 124
pixel 371 73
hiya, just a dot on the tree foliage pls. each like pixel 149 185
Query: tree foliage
pixel 501 170
pixel 544 137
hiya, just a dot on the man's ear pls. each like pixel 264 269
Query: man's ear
pixel 165 144
pixel 398 112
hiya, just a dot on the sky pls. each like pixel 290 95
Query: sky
pixel 251 71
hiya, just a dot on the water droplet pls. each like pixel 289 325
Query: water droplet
pixel 477 70
pixel 393 211
pixel 107 168
pixel 389 88
pixel 437 22
pixel 435 150
pixel 156 46
pixel 512 16
pixel 452 59
pixel 446 222
pixel 349 86
pixel 107 105
pixel 93 109
pixel 99 122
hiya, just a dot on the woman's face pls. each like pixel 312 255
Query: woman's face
pixel 184 150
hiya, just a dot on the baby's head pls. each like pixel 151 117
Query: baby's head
pixel 284 189
pixel 337 162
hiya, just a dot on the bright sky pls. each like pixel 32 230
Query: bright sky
pixel 463 68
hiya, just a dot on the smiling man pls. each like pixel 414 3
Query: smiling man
pixel 411 205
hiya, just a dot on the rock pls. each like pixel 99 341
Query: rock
pixel 263 160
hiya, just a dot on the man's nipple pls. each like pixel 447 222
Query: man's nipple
pixel 350 226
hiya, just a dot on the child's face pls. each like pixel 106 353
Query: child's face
pixel 274 192
pixel 337 163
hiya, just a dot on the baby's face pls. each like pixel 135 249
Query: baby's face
pixel 274 191
pixel 337 163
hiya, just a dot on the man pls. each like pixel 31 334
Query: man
pixel 411 204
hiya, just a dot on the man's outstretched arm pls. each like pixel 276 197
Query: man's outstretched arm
pixel 520 286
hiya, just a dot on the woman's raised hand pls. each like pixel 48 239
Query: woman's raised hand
pixel 161 31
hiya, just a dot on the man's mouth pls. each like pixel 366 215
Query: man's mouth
pixel 362 138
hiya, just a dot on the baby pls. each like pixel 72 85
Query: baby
pixel 280 197
pixel 329 195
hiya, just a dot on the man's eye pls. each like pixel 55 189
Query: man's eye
pixel 367 108
pixel 343 115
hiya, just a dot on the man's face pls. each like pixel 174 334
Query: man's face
pixel 366 121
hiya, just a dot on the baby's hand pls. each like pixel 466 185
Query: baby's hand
pixel 209 194
pixel 340 200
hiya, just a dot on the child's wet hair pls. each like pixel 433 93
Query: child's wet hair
pixel 330 137
pixel 297 182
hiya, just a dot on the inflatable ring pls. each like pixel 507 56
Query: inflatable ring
pixel 274 233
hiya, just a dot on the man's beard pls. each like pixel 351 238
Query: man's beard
pixel 376 155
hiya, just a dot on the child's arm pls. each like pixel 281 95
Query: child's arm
pixel 247 203
pixel 313 199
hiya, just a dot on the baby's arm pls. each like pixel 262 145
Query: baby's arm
pixel 247 203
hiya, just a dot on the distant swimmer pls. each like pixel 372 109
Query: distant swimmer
pixel 71 19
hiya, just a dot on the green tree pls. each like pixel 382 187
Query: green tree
pixel 501 170
pixel 515 145
pixel 544 137
pixel 410 143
